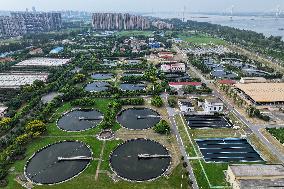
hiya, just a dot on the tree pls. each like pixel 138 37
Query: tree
pixel 172 101
pixel 162 127
pixel 35 127
pixel 23 139
pixel 157 101
pixel 5 123
pixel 78 78
pixel 189 89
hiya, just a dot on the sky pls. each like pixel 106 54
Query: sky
pixel 145 5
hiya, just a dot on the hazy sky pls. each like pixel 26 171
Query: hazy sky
pixel 144 5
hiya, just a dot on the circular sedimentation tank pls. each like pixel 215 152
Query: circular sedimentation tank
pixel 79 120
pixel 97 86
pixel 140 160
pixel 57 163
pixel 132 86
pixel 138 118
pixel 102 76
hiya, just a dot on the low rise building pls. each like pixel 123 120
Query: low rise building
pixel 185 106
pixel 213 105
pixel 3 111
pixel 177 67
pixel 56 50
pixel 180 85
pixel 166 55
pixel 5 60
pixel 245 80
pixel 227 82
pixel 36 51
pixel 253 176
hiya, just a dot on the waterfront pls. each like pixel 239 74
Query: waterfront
pixel 266 25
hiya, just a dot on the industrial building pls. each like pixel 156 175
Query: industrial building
pixel 213 105
pixel 245 80
pixel 43 62
pixel 255 176
pixel 16 80
pixel 185 106
pixel 262 93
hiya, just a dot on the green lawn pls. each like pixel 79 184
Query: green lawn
pixel 278 133
pixel 86 179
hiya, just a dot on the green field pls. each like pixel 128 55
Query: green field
pixel 202 40
pixel 208 175
pixel 135 33
pixel 87 179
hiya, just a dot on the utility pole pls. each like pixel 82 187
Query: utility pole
pixel 183 16
pixel 232 12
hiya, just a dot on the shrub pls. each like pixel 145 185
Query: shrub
pixel 162 127
pixel 157 101
pixel 172 101
pixel 35 127
pixel 83 102
pixel 132 101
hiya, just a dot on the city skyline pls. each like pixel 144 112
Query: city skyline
pixel 145 6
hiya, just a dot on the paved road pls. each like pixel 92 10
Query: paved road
pixel 172 113
pixel 256 129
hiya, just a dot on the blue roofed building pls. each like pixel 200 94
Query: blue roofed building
pixel 56 50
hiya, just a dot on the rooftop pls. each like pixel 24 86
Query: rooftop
pixel 43 62
pixel 263 92
pixel 227 82
pixel 261 183
pixel 185 103
pixel 15 80
pixel 258 170
pixel 213 100
pixel 186 83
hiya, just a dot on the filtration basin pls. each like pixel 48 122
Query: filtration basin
pixel 132 86
pixel 207 121
pixel 102 76
pixel 227 150
pixel 97 86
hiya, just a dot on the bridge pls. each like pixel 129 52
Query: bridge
pixel 149 156
pixel 74 158
pixel 90 119
pixel 148 116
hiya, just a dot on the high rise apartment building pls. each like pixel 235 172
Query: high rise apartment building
pixel 119 21
pixel 20 23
